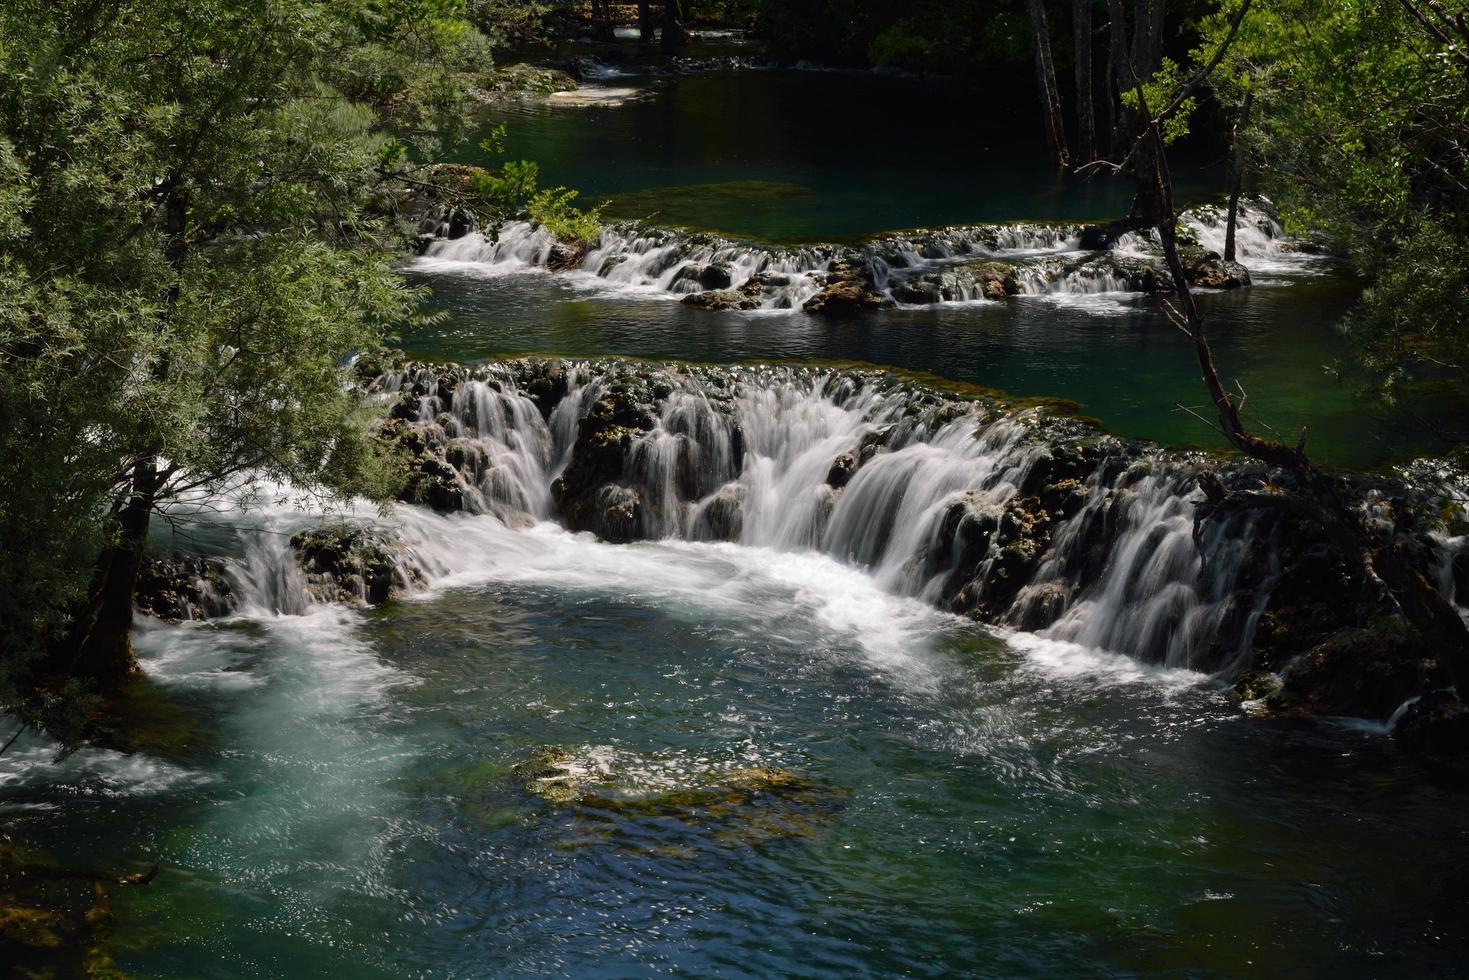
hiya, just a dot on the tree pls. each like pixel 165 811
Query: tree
pixel 645 22
pixel 1045 76
pixel 1086 116
pixel 674 35
pixel 196 231
pixel 1355 119
pixel 1394 586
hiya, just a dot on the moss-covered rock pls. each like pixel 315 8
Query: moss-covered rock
pixel 182 588
pixel 847 289
pixel 354 564
pixel 744 806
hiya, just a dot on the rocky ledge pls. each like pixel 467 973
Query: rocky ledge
pixel 337 562
pixel 1273 606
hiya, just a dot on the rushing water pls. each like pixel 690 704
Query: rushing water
pixel 340 797
pixel 1029 808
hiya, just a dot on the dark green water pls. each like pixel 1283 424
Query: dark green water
pixel 1118 357
pixel 789 156
pixel 979 808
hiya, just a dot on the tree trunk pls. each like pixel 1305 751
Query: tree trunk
pixel 1396 584
pixel 673 32
pixel 645 22
pixel 1116 72
pixel 1086 122
pixel 1237 175
pixel 105 651
pixel 601 23
pixel 1147 37
pixel 1045 73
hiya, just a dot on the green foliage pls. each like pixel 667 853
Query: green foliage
pixel 966 37
pixel 1160 92
pixel 196 233
pixel 1361 130
pixel 554 209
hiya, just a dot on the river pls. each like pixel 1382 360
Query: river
pixel 356 793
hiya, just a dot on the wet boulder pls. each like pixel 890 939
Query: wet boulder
pixel 617 514
pixel 1206 270
pixel 566 255
pixel 1435 725
pixel 722 516
pixel 1138 275
pixel 841 470
pixel 354 564
pixel 1354 672
pixel 183 588
pixel 847 289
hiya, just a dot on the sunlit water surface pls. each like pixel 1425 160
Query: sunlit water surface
pixel 1016 808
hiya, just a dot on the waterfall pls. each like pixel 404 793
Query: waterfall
pixel 1029 520
pixel 913 268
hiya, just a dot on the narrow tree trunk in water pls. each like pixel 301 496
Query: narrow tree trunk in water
pixel 1086 122
pixel 1045 73
pixel 105 652
pixel 1237 175
pixel 673 32
pixel 1391 578
pixel 1147 37
pixel 601 22
pixel 645 22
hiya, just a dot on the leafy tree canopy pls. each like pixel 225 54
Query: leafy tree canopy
pixel 197 229
pixel 1361 131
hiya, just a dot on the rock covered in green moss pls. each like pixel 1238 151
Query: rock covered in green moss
pixel 181 588
pixel 355 564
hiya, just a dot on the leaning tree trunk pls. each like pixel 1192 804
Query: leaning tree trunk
pixel 1237 175
pixel 645 22
pixel 674 35
pixel 1045 73
pixel 104 651
pixel 1394 583
pixel 1086 119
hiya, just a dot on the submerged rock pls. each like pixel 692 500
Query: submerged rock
pixel 742 806
pixel 1435 725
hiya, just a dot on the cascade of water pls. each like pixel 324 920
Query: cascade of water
pixel 870 473
pixel 1046 259
pixel 1161 596
pixel 268 580
pixel 504 450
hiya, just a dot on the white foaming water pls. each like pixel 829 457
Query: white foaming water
pixel 758 463
pixel 656 262
pixel 806 599
pixel 90 773
pixel 1073 661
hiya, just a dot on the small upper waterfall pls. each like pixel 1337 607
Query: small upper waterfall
pixel 947 265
